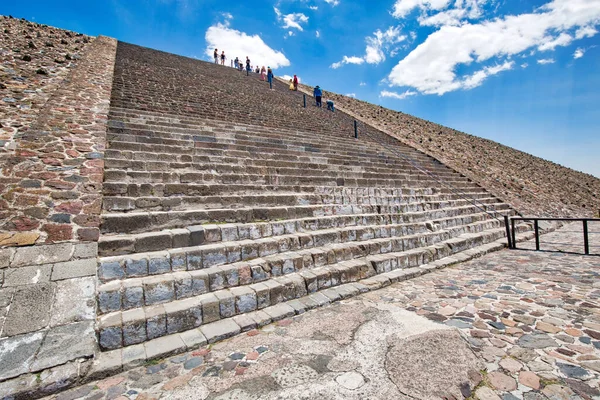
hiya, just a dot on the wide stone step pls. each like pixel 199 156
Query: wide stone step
pixel 119 244
pixel 125 328
pixel 169 189
pixel 271 138
pixel 274 153
pixel 119 175
pixel 182 202
pixel 355 240
pixel 140 222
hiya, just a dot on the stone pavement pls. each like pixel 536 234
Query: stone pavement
pixel 512 324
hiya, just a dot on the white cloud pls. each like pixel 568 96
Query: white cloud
pixel 524 65
pixel 314 8
pixel 431 67
pixel 332 2
pixel 545 61
pixel 377 45
pixel 236 43
pixel 586 31
pixel 291 20
pixel 351 95
pixel 403 7
pixel 578 53
pixel 348 60
pixel 318 34
pixel 477 78
pixel 399 96
pixel 363 84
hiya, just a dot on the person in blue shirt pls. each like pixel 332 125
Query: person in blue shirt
pixel 318 93
pixel 270 76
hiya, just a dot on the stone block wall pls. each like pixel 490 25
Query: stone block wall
pixel 52 171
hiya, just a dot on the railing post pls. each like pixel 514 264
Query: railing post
pixel 536 227
pixel 507 227
pixel 514 236
pixel 355 130
pixel 586 243
pixel 304 100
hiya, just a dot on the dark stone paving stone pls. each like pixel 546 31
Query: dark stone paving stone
pixel 147 381
pixel 572 371
pixel 498 325
pixel 237 356
pixel 585 340
pixel 582 388
pixel 179 359
pixel 156 368
pixel 536 341
pixel 509 396
pixel 262 349
pixel 229 365
pixel 458 324
pixel 435 317
pixel 193 362
pixel 212 371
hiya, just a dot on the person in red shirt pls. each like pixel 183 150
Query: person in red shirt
pixel 295 82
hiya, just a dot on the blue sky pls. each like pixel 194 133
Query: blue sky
pixel 521 72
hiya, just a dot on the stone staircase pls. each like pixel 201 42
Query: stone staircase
pixel 225 201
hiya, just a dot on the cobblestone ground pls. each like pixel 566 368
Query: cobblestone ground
pixel 530 321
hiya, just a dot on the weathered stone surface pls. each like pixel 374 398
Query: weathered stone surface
pixel 17 353
pixel 536 341
pixel 74 269
pixel 65 343
pixel 443 354
pixel 220 330
pixel 30 309
pixel 74 301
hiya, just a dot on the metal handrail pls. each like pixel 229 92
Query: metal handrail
pixel 512 243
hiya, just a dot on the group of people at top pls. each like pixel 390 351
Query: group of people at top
pixel 265 73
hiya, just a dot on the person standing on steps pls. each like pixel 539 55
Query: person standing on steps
pixel 223 58
pixel 247 66
pixel 318 93
pixel 236 62
pixel 263 73
pixel 216 55
pixel 270 76
pixel 295 83
pixel 292 87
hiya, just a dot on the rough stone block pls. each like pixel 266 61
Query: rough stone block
pixel 29 310
pixel 183 284
pixel 220 330
pixel 74 269
pixel 234 253
pixel 213 255
pixel 226 303
pixel 44 254
pixel 216 278
pixel 158 290
pixel 26 276
pixel 193 339
pixel 183 315
pixel 245 299
pixel 105 364
pixel 111 338
pixel 231 275
pixel 249 249
pixel 85 250
pixel 267 247
pixel 156 321
pixel 310 280
pixel 5 256
pixel 109 297
pixel 212 233
pixel 194 260
pixel 288 289
pixel 17 354
pixel 178 260
pixel 229 233
pixel 263 297
pixel 133 294
pixel 196 234
pixel 200 282
pixel 180 238
pixel 260 317
pixel 111 269
pixel 159 263
pixel 136 265
pixel 210 307
pixel 134 327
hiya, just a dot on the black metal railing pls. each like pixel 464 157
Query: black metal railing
pixel 511 232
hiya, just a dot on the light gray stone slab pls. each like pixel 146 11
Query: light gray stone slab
pixel 17 353
pixel 86 250
pixel 134 356
pixel 193 338
pixel 106 363
pixel 66 343
pixel 31 275
pixel 74 301
pixel 74 269
pixel 280 311
pixel 164 346
pixel 220 330
pixel 29 310
pixel 45 254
